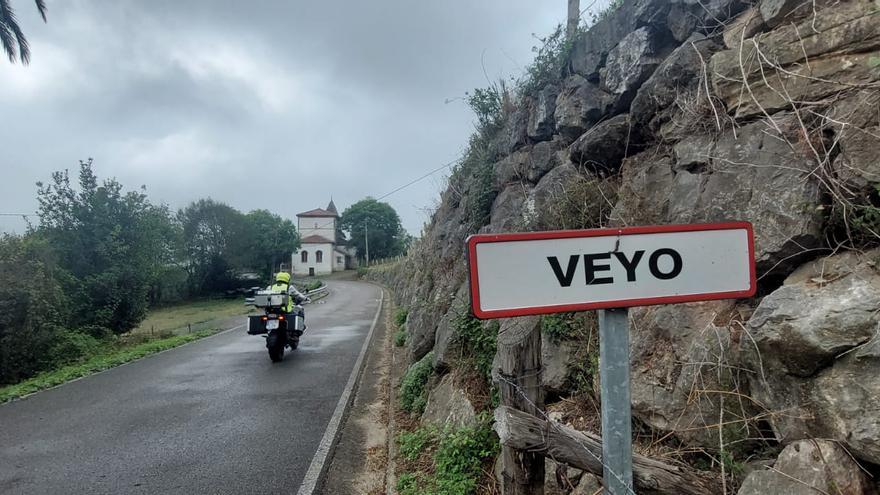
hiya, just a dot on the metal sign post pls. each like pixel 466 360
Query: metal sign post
pixel 616 409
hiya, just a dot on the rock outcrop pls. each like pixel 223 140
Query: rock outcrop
pixel 808 467
pixel 448 405
pixel 815 342
pixel 686 111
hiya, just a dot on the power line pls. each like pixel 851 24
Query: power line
pixel 414 181
pixel 18 214
pixel 432 172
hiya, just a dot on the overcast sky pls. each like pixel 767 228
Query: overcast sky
pixel 259 104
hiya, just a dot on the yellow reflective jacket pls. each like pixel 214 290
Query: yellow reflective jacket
pixel 284 289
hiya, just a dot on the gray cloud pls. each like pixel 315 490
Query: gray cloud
pixel 274 105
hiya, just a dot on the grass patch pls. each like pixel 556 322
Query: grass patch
pixel 414 385
pixel 166 319
pixel 109 357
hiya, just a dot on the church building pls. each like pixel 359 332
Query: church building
pixel 322 251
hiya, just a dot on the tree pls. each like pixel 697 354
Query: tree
pixel 386 235
pixel 212 235
pixel 110 246
pixel 269 239
pixel 11 34
pixel 32 306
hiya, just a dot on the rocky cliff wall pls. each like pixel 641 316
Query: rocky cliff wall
pixel 685 111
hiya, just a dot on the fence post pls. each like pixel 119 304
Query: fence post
pixel 519 377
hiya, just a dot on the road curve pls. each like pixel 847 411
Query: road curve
pixel 215 416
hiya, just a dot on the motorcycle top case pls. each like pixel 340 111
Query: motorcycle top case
pixel 271 300
pixel 256 325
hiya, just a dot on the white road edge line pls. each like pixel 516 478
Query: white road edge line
pixel 318 467
pixel 221 332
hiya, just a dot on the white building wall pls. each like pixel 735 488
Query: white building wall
pixel 323 268
pixel 338 261
pixel 322 226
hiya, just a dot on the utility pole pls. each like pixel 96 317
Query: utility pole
pixel 367 241
pixel 574 17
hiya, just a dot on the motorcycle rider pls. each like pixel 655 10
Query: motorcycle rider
pixel 282 284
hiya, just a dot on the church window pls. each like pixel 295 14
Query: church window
pixel 319 257
pixel 304 256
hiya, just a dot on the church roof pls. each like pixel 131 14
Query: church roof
pixel 332 207
pixel 317 239
pixel 318 212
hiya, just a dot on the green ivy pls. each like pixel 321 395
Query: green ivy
pixel 476 340
pixel 559 326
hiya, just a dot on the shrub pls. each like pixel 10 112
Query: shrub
pixel 584 203
pixel 400 337
pixel 33 307
pixel 362 271
pixel 856 222
pixel 551 60
pixel 471 181
pixel 413 443
pixel 72 346
pixel 613 5
pixel 487 104
pixel 408 484
pixel 313 284
pixel 461 454
pixel 400 316
pixel 413 386
pixel 457 461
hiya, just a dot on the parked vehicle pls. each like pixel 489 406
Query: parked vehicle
pixel 281 328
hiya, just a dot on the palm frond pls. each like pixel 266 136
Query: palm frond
pixel 11 34
pixel 41 6
pixel 7 40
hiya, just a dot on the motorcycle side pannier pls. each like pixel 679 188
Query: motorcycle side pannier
pixel 256 325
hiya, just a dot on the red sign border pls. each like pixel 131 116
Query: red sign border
pixel 473 240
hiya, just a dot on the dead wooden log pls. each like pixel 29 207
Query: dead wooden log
pixel 524 432
pixel 519 381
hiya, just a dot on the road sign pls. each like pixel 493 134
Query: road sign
pixel 559 271
pixel 613 269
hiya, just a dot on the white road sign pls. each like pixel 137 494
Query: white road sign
pixel 551 272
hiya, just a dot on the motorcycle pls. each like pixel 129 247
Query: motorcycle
pixel 280 328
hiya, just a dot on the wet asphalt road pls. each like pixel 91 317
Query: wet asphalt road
pixel 215 416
